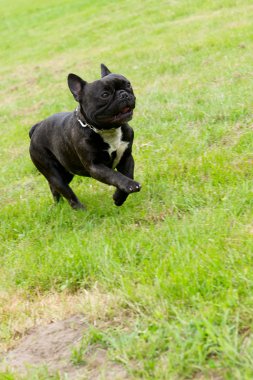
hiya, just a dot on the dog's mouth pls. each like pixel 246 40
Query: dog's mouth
pixel 125 114
pixel 125 110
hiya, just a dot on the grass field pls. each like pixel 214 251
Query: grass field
pixel 177 257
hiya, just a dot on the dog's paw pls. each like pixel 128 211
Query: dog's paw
pixel 77 206
pixel 119 202
pixel 133 187
pixel 119 197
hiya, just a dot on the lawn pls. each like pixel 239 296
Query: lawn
pixel 177 257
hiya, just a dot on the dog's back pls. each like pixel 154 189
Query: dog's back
pixel 32 130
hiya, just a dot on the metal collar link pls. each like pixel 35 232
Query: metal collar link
pixel 86 125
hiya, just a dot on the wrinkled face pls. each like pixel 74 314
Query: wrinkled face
pixel 109 101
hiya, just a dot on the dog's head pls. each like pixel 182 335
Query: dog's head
pixel 105 103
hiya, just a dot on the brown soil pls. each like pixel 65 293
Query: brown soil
pixel 52 346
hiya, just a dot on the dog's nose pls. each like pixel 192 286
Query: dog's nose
pixel 123 94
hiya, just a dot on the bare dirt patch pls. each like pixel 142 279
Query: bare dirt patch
pixel 44 330
pixel 52 346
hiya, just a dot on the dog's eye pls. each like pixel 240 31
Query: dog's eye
pixel 128 85
pixel 105 94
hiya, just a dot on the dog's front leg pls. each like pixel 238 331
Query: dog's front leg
pixel 111 177
pixel 126 167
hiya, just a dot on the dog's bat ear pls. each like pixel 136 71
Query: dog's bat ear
pixel 76 85
pixel 104 70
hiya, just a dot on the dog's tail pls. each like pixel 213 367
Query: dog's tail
pixel 32 130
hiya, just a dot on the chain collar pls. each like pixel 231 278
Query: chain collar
pixel 86 125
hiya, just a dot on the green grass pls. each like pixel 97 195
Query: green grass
pixel 180 253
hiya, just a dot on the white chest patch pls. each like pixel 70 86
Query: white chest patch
pixel 113 138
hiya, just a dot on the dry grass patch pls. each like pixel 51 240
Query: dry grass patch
pixel 20 312
pixel 41 331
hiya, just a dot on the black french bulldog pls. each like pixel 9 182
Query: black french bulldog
pixel 92 141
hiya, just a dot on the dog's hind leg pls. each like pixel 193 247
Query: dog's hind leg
pixel 60 187
pixel 56 195
pixel 67 177
pixel 58 179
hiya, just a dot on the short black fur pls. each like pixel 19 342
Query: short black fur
pixel 81 142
